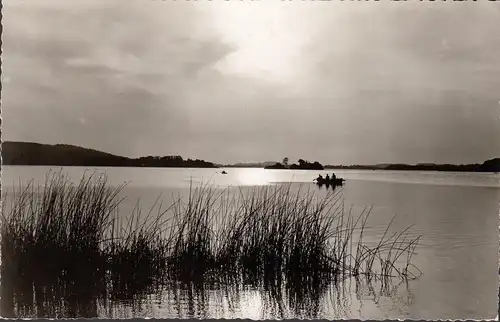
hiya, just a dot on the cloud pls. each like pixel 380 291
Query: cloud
pixel 108 65
pixel 372 82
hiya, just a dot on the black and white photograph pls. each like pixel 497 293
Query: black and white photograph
pixel 250 159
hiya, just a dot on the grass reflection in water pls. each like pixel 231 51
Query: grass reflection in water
pixel 67 253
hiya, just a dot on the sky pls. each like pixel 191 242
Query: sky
pixel 251 81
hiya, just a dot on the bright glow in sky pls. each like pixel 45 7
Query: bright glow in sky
pixel 266 38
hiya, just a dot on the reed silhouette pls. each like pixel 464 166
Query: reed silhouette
pixel 65 247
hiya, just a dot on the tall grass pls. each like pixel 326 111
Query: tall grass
pixel 72 236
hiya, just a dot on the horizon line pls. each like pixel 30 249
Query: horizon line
pixel 249 162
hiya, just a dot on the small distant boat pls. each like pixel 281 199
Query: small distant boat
pixel 224 172
pixel 330 182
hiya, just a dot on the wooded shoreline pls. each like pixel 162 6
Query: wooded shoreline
pixel 37 154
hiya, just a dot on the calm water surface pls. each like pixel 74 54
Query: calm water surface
pixel 456 214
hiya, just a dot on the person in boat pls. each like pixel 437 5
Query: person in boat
pixel 334 177
pixel 319 178
pixel 327 178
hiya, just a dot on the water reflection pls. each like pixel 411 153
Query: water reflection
pixel 457 218
pixel 63 257
pixel 327 186
pixel 87 297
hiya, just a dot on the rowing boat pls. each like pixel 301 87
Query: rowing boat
pixel 330 182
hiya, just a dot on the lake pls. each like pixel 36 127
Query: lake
pixel 456 214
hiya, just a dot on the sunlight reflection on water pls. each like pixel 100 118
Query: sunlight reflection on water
pixel 457 214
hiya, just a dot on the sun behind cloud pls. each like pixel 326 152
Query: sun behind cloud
pixel 266 36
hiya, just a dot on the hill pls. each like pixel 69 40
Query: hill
pixel 28 153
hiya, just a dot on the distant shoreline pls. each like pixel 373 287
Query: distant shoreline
pixel 62 155
pixel 249 167
pixel 437 168
pixel 239 167
pixel 37 154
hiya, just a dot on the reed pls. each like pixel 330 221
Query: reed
pixel 71 235
pixel 274 234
